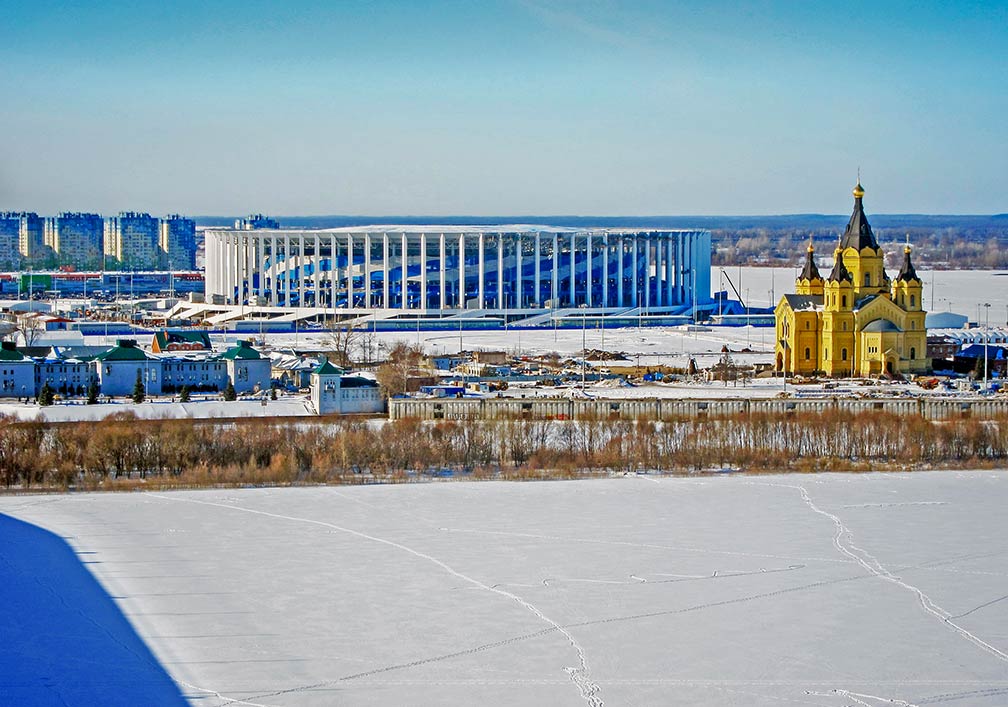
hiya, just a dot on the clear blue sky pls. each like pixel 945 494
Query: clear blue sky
pixel 504 107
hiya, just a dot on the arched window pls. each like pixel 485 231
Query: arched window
pixel 825 354
pixel 843 354
pixel 867 279
pixel 843 301
pixel 912 301
pixel 808 353
pixel 913 353
pixel 807 323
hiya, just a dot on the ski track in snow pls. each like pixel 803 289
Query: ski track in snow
pixel 648 546
pixel 843 542
pixel 579 674
pixel 859 698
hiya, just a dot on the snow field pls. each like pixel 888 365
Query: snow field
pixel 826 589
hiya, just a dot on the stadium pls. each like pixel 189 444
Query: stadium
pixel 458 271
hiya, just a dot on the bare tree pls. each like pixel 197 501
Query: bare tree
pixel 30 326
pixel 403 360
pixel 343 339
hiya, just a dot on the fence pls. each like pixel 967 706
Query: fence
pixel 677 408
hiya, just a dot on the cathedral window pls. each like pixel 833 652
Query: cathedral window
pixel 843 354
pixel 844 301
pixel 808 353
pixel 867 279
pixel 913 353
pixel 912 301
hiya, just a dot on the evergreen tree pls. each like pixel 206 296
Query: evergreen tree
pixel 138 388
pixel 273 393
pixel 92 393
pixel 229 392
pixel 46 395
pixel 184 394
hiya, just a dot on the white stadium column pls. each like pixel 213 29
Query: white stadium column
pixel 385 271
pixel 605 270
pixel 573 270
pixel 482 270
pixel 518 271
pixel 423 271
pixel 273 270
pixel 404 263
pixel 301 271
pixel 620 243
pixel 555 290
pixel 500 271
pixel 262 267
pixel 647 271
pixel 349 272
pixel 461 272
pixel 538 272
pixel 316 268
pixel 367 270
pixel 441 269
pixel 670 271
pixel 659 284
pixel 635 272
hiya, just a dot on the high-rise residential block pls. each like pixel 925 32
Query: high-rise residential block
pixel 22 239
pixel 178 243
pixel 132 241
pixel 75 239
pixel 254 222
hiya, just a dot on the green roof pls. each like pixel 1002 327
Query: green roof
pixel 124 350
pixel 193 336
pixel 9 352
pixel 327 369
pixel 243 350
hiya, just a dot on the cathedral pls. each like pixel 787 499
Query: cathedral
pixel 856 321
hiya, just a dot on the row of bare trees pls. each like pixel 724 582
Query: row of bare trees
pixel 124 451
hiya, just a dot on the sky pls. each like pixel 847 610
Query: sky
pixel 530 107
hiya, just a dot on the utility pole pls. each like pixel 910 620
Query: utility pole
pixel 986 339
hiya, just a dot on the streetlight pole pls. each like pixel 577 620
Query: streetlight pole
pixel 584 345
pixel 986 339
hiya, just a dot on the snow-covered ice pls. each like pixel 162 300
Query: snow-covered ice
pixel 829 589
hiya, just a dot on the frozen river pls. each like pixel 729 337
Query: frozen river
pixel 831 589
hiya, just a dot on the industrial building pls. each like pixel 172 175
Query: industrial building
pixel 459 271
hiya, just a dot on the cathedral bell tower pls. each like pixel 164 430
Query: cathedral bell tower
pixel 862 256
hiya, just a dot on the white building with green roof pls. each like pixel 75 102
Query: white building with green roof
pixel 334 391
pixel 17 372
pixel 247 368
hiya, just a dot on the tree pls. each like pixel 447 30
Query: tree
pixel 343 339
pixel 184 394
pixel 229 392
pixel 30 326
pixel 401 362
pixel 46 395
pixel 138 388
pixel 273 393
pixel 92 393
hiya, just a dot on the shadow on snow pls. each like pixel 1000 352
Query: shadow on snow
pixel 63 640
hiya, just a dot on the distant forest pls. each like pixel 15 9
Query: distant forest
pixel 941 242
